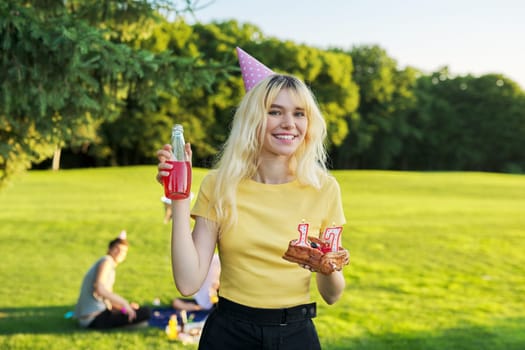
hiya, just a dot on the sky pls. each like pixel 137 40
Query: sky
pixel 468 36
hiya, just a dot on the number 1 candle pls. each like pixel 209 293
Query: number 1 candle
pixel 303 235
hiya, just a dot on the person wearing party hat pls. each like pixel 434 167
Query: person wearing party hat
pixel 270 180
pixel 98 307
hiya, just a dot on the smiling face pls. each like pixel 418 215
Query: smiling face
pixel 286 125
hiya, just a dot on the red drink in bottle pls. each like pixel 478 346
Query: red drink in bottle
pixel 178 184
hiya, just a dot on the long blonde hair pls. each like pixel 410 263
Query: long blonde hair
pixel 239 158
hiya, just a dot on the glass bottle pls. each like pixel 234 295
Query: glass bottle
pixel 178 184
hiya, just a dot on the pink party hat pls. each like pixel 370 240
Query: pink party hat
pixel 252 70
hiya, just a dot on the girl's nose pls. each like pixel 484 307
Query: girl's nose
pixel 287 120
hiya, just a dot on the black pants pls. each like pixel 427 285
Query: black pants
pixel 114 318
pixel 233 326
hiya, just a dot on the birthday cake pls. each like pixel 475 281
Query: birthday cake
pixel 317 254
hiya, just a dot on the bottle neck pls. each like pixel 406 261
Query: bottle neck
pixel 178 145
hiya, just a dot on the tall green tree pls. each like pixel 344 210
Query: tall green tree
pixel 381 122
pixel 469 123
pixel 67 67
pixel 140 129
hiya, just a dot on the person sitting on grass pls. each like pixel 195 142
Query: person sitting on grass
pixel 98 307
pixel 207 296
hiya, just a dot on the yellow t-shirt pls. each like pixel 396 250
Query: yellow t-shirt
pixel 253 272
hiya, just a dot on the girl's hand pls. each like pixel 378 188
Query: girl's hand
pixel 307 267
pixel 165 154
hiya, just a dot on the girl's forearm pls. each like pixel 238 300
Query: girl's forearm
pixel 331 286
pixel 184 256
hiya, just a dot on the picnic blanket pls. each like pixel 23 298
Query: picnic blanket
pixel 188 329
pixel 161 315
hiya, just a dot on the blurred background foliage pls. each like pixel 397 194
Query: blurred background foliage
pixel 100 83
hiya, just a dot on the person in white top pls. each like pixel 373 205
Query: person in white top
pixel 207 296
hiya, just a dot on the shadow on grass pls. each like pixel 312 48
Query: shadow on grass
pixel 505 334
pixel 42 320
pixel 37 320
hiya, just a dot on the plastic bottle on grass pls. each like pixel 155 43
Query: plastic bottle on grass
pixel 178 184
pixel 172 328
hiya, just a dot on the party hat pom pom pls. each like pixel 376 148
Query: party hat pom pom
pixel 123 234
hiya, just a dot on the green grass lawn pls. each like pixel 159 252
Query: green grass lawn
pixel 437 259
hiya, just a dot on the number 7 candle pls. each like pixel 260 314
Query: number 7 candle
pixel 333 236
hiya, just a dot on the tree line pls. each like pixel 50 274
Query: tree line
pixel 103 81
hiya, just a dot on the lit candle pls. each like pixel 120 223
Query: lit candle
pixel 333 236
pixel 303 235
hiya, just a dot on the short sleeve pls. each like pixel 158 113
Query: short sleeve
pixel 202 203
pixel 335 214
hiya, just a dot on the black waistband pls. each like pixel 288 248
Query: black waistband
pixel 267 316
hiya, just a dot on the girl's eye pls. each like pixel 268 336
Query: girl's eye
pixel 274 112
pixel 299 114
